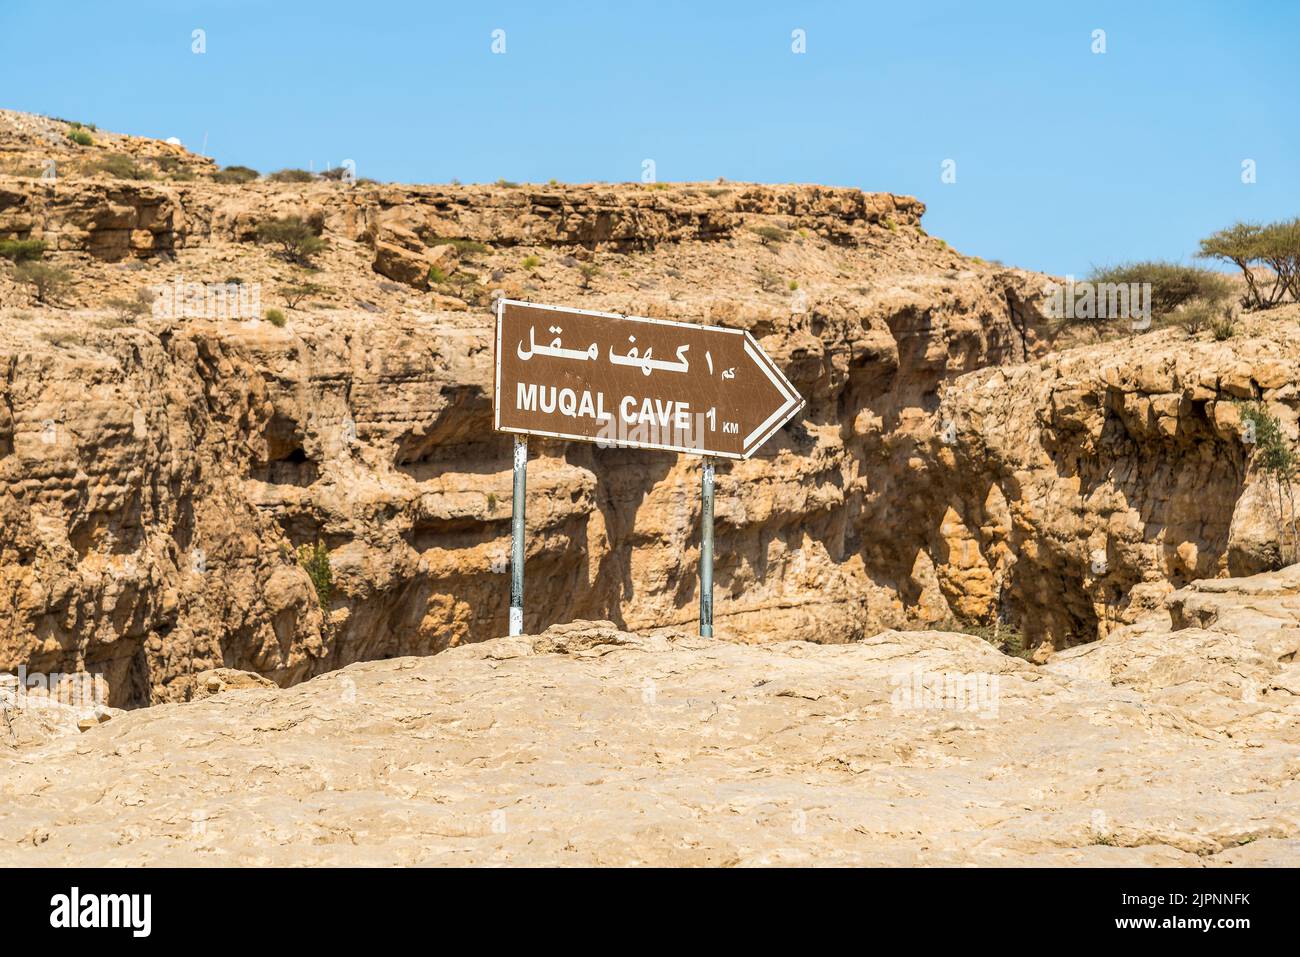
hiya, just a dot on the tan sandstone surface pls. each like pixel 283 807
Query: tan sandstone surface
pixel 1170 742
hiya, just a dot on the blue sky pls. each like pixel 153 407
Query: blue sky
pixel 1065 158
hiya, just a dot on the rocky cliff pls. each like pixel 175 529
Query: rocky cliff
pixel 159 472
pixel 1079 490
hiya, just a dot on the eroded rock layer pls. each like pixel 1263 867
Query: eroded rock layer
pixel 159 473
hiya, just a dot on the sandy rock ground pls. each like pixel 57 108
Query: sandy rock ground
pixel 1167 743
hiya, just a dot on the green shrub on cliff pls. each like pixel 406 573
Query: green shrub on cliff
pixel 1274 455
pixel 297 293
pixel 767 235
pixel 121 166
pixel 235 174
pixel 50 282
pixel 291 176
pixel 315 561
pixel 1172 284
pixel 21 250
pixel 297 239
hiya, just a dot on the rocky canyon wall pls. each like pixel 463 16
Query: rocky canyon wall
pixel 158 475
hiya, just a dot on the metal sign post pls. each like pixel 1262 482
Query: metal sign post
pixel 706 548
pixel 637 383
pixel 517 537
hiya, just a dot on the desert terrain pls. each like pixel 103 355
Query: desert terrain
pixel 279 541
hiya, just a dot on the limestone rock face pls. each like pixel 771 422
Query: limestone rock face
pixel 1076 491
pixel 160 475
pixel 590 745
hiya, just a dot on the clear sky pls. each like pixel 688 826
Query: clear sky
pixel 1065 158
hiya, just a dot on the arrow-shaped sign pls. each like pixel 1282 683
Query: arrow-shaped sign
pixel 636 383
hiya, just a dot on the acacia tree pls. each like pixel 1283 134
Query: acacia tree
pixel 1276 246
pixel 295 294
pixel 1239 245
pixel 297 240
pixel 1279 249
pixel 48 281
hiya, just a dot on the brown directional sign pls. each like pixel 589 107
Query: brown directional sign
pixel 637 383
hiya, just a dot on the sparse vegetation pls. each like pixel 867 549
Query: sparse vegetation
pixel 463 246
pixel 50 282
pixel 437 276
pixel 768 235
pixel 1195 317
pixel 1275 456
pixel 21 250
pixel 297 240
pixel 275 317
pixel 465 283
pixel 793 285
pixel 1172 284
pixel 1278 248
pixel 121 166
pixel 588 272
pixel 298 293
pixel 315 561
pixel 291 176
pixel 1249 246
pixel 131 308
pixel 531 262
pixel 1004 636
pixel 507 184
pixel 235 174
pixel 80 137
pixel 1224 327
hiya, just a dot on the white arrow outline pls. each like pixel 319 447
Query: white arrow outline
pixel 792 404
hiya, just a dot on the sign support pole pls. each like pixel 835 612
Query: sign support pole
pixel 706 548
pixel 517 537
